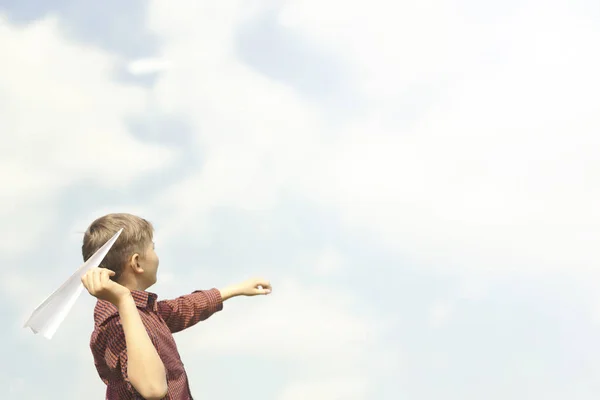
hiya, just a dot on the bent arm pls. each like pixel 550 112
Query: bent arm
pixel 145 369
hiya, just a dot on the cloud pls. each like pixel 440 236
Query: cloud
pixel 63 120
pixel 386 51
pixel 255 135
pixel 495 173
pixel 491 172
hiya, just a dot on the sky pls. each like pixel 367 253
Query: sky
pixel 417 179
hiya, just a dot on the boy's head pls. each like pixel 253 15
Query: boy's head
pixel 132 257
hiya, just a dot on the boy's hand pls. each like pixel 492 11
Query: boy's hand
pixel 254 287
pixel 251 287
pixel 98 283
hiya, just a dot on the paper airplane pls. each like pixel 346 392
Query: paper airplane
pixel 48 316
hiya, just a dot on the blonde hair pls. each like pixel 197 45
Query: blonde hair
pixel 136 237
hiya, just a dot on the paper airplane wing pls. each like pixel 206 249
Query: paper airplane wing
pixel 48 316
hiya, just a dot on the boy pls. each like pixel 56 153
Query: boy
pixel 132 343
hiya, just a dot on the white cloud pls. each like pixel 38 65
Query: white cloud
pixel 62 121
pixel 495 175
pixel 256 135
pixel 386 46
pixel 498 173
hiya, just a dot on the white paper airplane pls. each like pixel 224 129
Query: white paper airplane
pixel 48 316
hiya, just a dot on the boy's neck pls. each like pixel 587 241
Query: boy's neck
pixel 138 286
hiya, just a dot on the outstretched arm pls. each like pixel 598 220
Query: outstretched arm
pixel 186 311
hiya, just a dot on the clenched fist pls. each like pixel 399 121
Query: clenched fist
pixel 98 283
pixel 254 287
pixel 251 287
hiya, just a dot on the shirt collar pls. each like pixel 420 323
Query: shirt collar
pixel 144 299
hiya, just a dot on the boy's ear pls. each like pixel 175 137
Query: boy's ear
pixel 134 262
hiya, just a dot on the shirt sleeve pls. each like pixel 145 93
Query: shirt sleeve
pixel 186 311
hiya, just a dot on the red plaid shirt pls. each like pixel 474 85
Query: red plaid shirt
pixel 161 319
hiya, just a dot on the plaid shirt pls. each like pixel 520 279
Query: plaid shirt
pixel 161 319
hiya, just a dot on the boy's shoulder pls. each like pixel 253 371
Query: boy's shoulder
pixel 105 312
pixel 107 328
